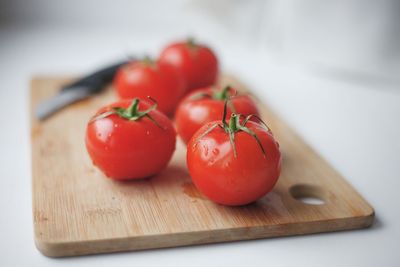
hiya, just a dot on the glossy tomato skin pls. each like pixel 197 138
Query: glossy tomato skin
pixel 125 149
pixel 192 113
pixel 141 79
pixel 230 180
pixel 197 63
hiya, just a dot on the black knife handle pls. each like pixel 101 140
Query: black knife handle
pixel 96 81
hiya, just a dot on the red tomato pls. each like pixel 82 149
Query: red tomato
pixel 229 166
pixel 147 78
pixel 197 63
pixel 207 104
pixel 130 140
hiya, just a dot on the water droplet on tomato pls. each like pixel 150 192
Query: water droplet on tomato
pixel 227 165
pixel 205 150
pixel 215 151
pixel 147 132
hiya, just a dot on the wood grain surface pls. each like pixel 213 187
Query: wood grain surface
pixel 76 210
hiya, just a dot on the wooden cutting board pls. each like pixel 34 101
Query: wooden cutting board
pixel 77 211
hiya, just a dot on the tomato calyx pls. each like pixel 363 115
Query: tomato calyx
pixel 235 126
pixel 224 94
pixel 191 43
pixel 146 60
pixel 131 113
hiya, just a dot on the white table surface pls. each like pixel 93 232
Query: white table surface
pixel 354 125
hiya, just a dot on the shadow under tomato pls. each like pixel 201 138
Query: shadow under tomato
pixel 190 190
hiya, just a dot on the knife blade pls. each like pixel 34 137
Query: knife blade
pixel 78 90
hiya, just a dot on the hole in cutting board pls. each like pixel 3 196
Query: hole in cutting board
pixel 308 194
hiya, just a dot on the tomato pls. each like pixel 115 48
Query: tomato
pixel 236 163
pixel 148 78
pixel 197 63
pixel 129 139
pixel 207 104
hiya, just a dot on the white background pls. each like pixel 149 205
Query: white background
pixel 351 118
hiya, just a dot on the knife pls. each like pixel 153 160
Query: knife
pixel 78 90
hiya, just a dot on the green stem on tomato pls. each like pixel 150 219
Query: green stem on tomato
pixel 234 127
pixel 148 61
pixel 191 42
pixel 131 113
pixel 222 94
pixel 233 122
pixel 133 108
pixel 225 94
